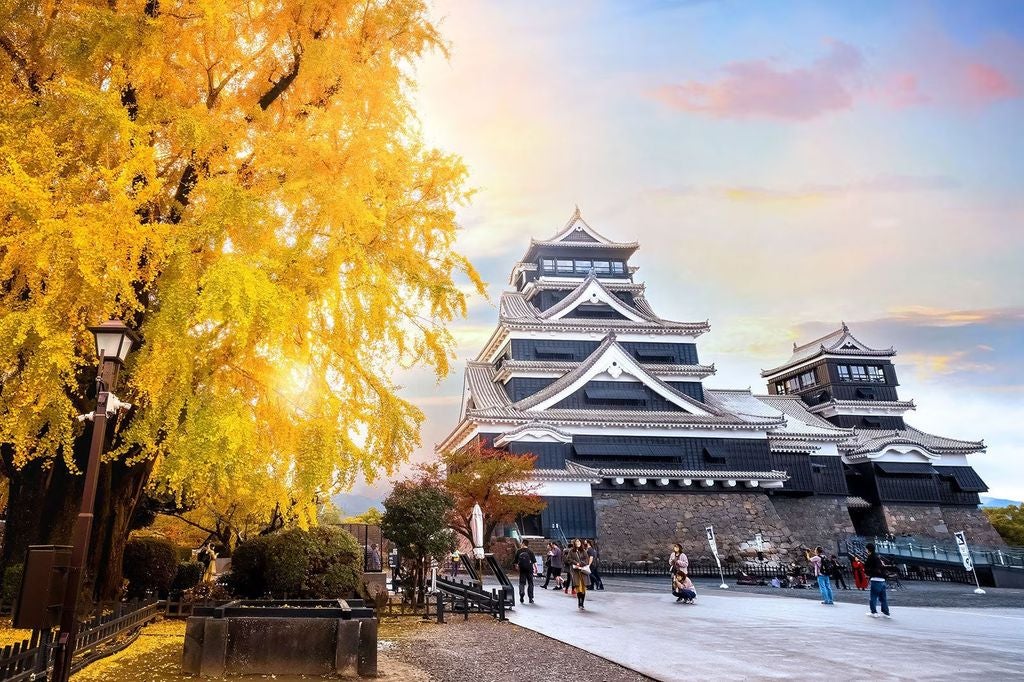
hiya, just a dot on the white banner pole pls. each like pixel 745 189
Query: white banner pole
pixel 710 531
pixel 965 554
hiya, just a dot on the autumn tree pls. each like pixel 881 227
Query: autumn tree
pixel 495 479
pixel 1008 522
pixel 246 186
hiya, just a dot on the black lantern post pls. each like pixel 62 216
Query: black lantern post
pixel 113 342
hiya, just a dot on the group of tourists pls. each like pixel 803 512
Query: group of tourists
pixel 580 558
pixel 869 572
pixel 679 566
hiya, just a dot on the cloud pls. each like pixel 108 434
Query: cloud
pixel 808 193
pixel 986 83
pixel 930 69
pixel 761 88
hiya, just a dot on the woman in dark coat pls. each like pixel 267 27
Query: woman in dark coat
pixel 578 562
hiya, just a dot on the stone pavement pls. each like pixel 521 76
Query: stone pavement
pixel 731 635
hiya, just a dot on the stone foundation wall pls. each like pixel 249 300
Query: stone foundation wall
pixel 636 525
pixel 816 520
pixel 975 525
pixel 916 519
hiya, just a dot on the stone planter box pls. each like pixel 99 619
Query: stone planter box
pixel 299 637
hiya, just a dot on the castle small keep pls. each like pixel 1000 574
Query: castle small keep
pixel 633 450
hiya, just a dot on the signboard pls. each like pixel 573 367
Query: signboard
pixel 538 568
pixel 965 553
pixel 710 530
pixel 759 542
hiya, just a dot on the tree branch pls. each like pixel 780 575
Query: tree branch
pixel 31 78
pixel 278 88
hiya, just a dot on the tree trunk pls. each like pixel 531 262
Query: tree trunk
pixel 120 489
pixel 44 503
pixel 41 508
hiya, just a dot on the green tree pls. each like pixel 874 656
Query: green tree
pixel 246 185
pixel 416 520
pixel 1008 522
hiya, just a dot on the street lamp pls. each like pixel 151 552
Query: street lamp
pixel 113 342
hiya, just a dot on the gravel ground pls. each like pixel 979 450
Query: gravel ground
pixel 484 650
pixel 914 593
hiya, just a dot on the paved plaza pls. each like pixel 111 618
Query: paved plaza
pixel 731 635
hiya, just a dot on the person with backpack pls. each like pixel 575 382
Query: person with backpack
pixel 836 572
pixel 820 568
pixel 526 562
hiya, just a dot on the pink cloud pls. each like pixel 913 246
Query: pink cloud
pixel 930 70
pixel 760 88
pixel 985 83
pixel 901 90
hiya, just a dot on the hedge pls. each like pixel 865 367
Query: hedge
pixel 150 565
pixel 318 564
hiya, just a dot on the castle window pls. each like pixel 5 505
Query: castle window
pixel 792 385
pixel 844 372
pixel 583 266
pixel 808 379
pixel 565 266
pixel 602 267
pixel 780 388
pixel 618 268
pixel 547 264
pixel 875 374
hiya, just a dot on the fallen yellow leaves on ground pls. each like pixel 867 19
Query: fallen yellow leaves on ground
pixel 154 657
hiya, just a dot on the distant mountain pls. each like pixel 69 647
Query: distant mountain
pixel 987 501
pixel 353 505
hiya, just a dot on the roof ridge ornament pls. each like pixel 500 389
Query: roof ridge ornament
pixel 845 328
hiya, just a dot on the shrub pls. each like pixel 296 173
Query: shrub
pixel 12 583
pixel 188 575
pixel 318 564
pixel 249 568
pixel 149 564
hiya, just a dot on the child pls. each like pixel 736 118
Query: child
pixel 683 589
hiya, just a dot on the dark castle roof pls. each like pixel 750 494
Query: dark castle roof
pixel 840 342
pixel 868 441
pixel 578 235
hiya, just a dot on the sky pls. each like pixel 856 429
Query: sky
pixel 784 166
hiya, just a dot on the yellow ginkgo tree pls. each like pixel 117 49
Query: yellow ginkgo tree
pixel 245 184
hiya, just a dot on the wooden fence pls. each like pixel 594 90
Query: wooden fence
pixel 106 634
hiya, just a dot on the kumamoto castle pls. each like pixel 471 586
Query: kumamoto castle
pixel 634 451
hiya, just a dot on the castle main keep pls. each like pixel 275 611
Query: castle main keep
pixel 633 450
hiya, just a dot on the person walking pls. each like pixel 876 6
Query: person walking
pixel 554 566
pixel 526 562
pixel 860 576
pixel 836 572
pixel 595 555
pixel 824 584
pixel 875 568
pixel 456 560
pixel 578 562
